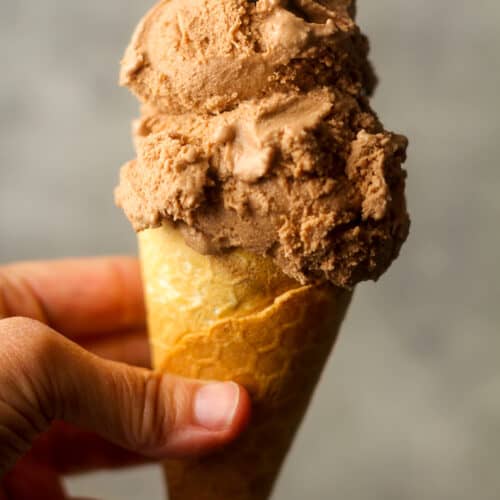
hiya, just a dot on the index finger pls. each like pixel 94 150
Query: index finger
pixel 75 296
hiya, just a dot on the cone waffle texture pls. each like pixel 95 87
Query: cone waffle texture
pixel 237 317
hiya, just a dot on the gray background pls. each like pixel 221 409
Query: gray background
pixel 409 406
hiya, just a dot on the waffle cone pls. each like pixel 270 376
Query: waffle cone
pixel 237 317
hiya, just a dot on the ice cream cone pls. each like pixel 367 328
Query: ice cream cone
pixel 237 317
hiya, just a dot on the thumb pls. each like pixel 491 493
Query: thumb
pixel 44 376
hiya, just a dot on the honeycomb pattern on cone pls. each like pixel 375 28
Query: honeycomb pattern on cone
pixel 274 342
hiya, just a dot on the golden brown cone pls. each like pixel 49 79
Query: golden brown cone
pixel 238 317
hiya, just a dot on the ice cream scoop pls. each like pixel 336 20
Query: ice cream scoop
pixel 257 134
pixel 209 55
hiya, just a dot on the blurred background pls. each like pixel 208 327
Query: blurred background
pixel 409 405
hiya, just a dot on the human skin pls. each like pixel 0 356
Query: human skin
pixel 75 391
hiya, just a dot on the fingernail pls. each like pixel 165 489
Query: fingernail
pixel 215 405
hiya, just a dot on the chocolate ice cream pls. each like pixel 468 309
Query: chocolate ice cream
pixel 256 133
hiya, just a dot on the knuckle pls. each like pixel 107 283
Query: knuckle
pixel 17 297
pixel 155 416
pixel 21 322
pixel 26 348
pixel 27 335
pixel 22 413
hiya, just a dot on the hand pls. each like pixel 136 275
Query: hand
pixel 114 414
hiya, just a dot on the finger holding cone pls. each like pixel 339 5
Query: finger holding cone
pixel 258 328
